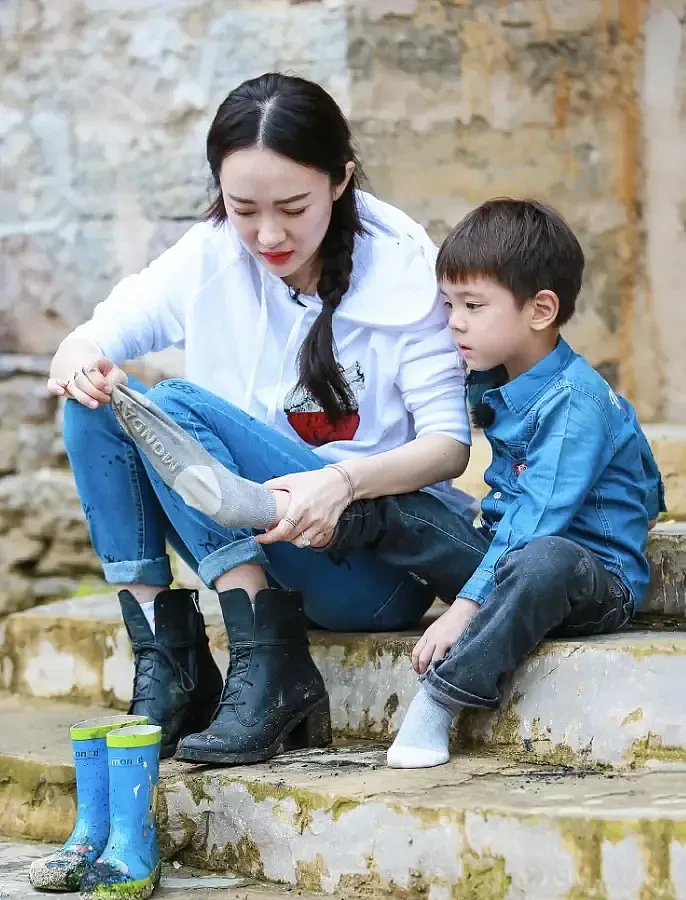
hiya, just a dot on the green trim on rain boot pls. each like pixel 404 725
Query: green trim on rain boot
pixel 63 870
pixel 90 729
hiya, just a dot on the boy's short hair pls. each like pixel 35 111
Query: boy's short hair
pixel 523 245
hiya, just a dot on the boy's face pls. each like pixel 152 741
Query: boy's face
pixel 487 325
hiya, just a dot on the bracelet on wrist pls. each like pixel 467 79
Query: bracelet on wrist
pixel 348 480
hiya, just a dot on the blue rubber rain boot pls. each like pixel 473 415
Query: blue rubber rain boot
pixel 130 863
pixel 64 869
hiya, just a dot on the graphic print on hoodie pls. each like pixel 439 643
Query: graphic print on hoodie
pixel 309 421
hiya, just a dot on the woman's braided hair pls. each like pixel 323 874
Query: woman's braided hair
pixel 299 120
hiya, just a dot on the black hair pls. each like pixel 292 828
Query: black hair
pixel 523 245
pixel 298 119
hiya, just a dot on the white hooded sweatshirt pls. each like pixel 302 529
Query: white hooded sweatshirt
pixel 241 330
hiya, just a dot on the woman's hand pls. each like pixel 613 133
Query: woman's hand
pixel 91 384
pixel 440 637
pixel 317 500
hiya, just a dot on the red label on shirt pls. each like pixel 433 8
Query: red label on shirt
pixel 311 423
pixel 520 467
pixel 316 429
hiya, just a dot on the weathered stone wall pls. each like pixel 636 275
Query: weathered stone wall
pixel 459 102
pixel 44 549
pixel 105 106
pixel 581 104
pixel 660 328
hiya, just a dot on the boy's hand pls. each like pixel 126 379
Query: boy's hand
pixel 438 639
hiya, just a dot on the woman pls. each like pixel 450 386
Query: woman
pixel 317 354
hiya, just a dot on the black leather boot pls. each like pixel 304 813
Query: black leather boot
pixel 177 684
pixel 274 694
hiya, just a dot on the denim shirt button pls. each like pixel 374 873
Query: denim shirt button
pixel 497 495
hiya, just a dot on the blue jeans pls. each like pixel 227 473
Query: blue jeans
pixel 131 514
pixel 553 587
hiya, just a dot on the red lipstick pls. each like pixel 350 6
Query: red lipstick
pixel 277 259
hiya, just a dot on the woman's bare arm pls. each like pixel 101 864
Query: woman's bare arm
pixel 428 459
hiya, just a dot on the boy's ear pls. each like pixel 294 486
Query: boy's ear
pixel 544 309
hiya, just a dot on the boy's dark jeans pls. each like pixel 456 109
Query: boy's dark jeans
pixel 551 588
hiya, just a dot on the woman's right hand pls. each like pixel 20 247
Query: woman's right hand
pixel 90 384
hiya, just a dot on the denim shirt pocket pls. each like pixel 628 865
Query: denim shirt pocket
pixel 514 458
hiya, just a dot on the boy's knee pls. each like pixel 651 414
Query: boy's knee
pixel 543 562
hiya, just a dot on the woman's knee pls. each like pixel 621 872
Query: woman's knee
pixel 178 398
pixel 175 394
pixel 191 406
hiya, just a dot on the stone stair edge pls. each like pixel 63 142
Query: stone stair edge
pixel 317 771
pixel 76 616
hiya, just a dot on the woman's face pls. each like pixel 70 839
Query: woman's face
pixel 280 209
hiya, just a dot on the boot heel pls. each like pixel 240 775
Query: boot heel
pixel 313 731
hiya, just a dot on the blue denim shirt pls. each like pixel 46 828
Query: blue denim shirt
pixel 569 459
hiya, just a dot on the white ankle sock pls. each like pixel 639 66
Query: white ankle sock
pixel 149 613
pixel 422 741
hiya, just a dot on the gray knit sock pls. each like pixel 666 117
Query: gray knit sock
pixel 185 465
pixel 423 738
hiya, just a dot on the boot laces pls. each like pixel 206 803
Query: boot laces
pixel 145 651
pixel 236 677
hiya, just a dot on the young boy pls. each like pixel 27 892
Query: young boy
pixel 573 484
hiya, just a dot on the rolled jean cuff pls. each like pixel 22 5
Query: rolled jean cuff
pixel 223 560
pixel 156 572
pixel 453 697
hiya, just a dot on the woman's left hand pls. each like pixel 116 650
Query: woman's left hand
pixel 317 500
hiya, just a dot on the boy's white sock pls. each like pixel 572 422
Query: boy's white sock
pixel 422 741
pixel 149 613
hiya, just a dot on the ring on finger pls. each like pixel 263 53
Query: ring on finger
pixel 304 540
pixel 291 521
pixel 75 376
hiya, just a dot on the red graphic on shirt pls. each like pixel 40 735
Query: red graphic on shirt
pixel 311 423
pixel 520 467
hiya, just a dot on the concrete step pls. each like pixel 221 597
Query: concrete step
pixel 616 700
pixel 667 441
pixel 337 820
pixel 178 882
